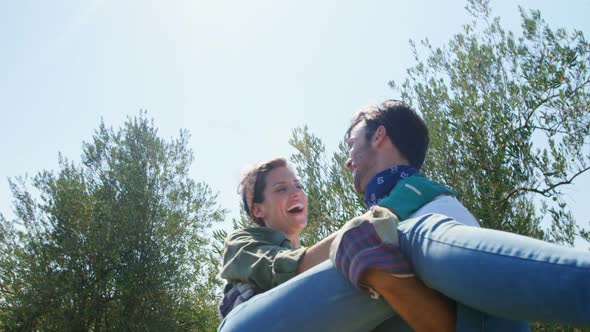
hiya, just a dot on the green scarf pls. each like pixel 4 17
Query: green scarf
pixel 411 193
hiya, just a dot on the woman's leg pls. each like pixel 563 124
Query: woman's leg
pixel 321 299
pixel 499 273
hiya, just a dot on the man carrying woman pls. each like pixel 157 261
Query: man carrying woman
pixel 488 273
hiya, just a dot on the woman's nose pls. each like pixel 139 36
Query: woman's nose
pixel 296 191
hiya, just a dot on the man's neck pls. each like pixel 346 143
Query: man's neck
pixel 383 182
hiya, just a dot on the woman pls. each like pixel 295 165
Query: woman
pixel 259 258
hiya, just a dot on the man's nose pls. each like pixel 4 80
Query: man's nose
pixel 348 163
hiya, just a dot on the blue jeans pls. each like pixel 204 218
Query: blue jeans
pixel 500 273
pixel 489 273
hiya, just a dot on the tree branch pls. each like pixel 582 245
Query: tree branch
pixel 544 191
pixel 548 98
pixel 4 290
pixel 558 131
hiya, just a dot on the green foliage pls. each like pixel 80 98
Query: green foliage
pixel 552 327
pixel 509 119
pixel 116 243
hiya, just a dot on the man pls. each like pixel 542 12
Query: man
pixel 501 273
pixel 387 145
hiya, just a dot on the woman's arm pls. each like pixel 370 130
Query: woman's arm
pixel 316 254
pixel 260 256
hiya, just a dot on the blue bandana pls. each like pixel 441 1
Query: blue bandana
pixel 382 183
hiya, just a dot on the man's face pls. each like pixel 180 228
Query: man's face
pixel 361 157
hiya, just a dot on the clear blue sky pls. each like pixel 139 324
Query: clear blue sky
pixel 239 75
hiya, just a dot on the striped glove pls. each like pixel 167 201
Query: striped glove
pixel 369 241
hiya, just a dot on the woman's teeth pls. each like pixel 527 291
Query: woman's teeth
pixel 298 207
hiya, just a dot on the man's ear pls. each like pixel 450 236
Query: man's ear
pixel 258 211
pixel 379 136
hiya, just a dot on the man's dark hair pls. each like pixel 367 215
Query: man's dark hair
pixel 405 128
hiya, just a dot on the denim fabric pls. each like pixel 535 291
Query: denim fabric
pixel 322 300
pixel 497 273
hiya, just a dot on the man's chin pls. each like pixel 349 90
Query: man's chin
pixel 359 188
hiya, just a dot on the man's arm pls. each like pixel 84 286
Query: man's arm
pixel 363 259
pixel 424 309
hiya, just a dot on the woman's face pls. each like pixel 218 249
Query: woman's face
pixel 285 203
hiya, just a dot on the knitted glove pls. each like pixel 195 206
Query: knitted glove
pixel 369 241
